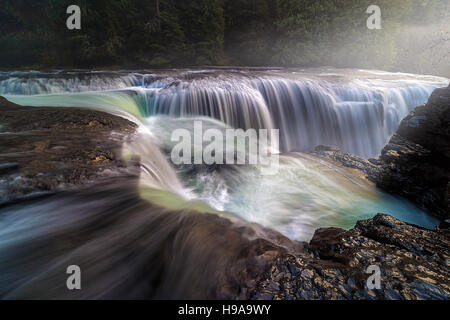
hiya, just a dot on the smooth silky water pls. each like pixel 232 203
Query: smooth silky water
pixel 356 110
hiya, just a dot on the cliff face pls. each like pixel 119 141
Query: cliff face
pixel 416 162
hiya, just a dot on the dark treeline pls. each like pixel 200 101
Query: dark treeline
pixel 174 33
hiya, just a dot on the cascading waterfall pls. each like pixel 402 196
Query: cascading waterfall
pixel 355 110
pixel 308 113
pixel 35 82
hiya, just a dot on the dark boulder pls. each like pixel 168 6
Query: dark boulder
pixel 416 161
pixel 413 264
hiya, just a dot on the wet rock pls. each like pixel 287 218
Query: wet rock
pixel 293 270
pixel 444 225
pixel 368 167
pixel 307 274
pixel 413 261
pixel 56 148
pixel 273 286
pixel 8 167
pixel 421 171
pixel 263 296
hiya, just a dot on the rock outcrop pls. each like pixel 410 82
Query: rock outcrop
pixel 44 149
pixel 413 263
pixel 416 162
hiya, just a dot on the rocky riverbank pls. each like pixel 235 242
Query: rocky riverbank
pixel 43 150
pixel 50 156
pixel 413 264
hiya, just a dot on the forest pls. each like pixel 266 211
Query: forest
pixel 185 33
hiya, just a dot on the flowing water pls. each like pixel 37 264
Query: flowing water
pixel 357 110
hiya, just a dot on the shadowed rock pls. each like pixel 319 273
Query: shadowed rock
pixel 416 162
pixel 414 264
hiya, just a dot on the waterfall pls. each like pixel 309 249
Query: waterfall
pixel 37 82
pixel 358 119
pixel 357 111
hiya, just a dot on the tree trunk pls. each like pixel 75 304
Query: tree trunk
pixel 158 15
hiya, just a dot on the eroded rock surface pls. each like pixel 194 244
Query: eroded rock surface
pixel 416 162
pixel 43 149
pixel 414 264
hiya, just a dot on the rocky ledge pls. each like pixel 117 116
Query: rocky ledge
pixel 45 149
pixel 414 263
pixel 415 163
